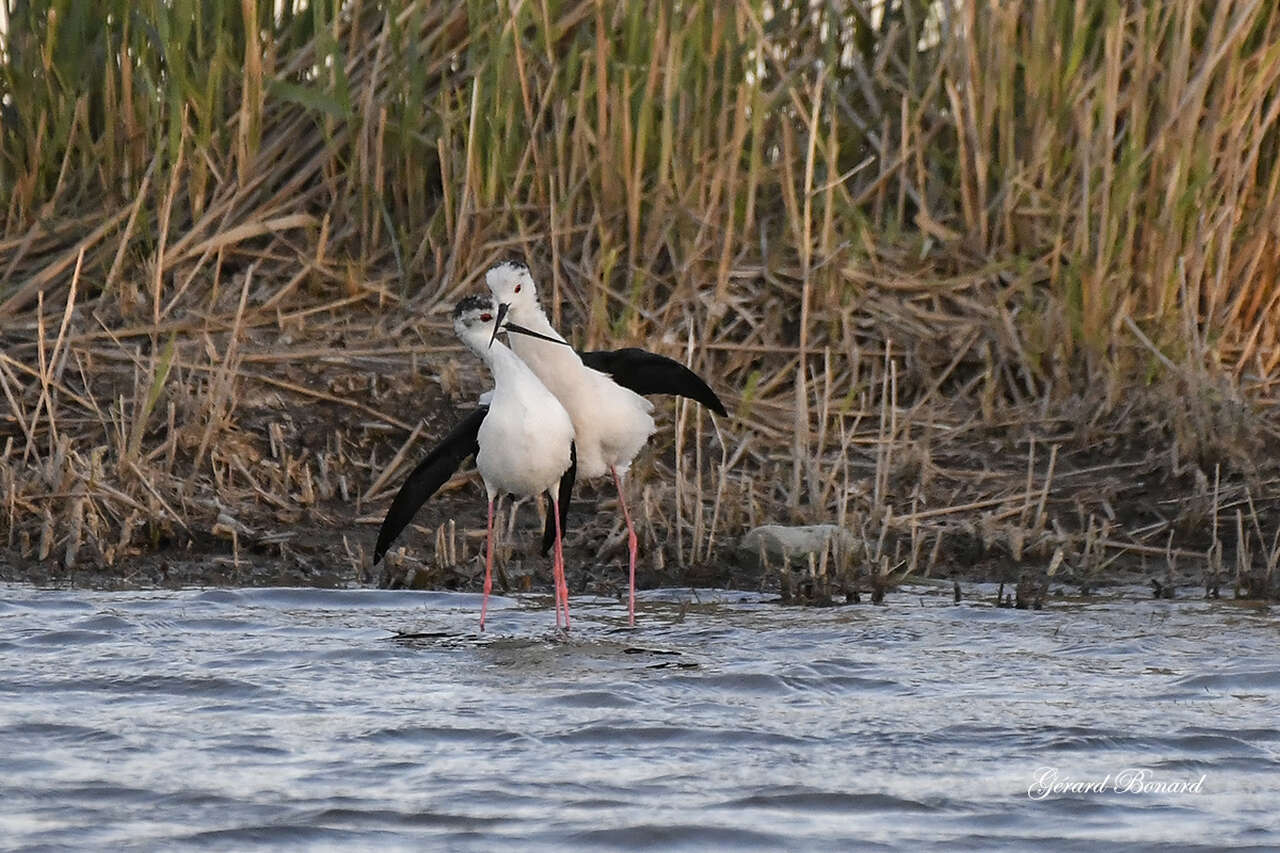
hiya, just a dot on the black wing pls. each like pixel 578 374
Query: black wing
pixel 649 373
pixel 562 497
pixel 425 480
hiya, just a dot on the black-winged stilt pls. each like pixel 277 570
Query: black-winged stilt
pixel 523 441
pixel 600 389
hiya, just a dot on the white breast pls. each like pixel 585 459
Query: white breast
pixel 525 437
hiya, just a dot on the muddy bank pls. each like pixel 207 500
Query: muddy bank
pixel 276 468
pixel 328 547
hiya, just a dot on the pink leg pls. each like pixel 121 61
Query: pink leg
pixel 559 562
pixel 631 549
pixel 488 567
pixel 555 586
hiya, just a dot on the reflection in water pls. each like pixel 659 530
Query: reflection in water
pixel 315 718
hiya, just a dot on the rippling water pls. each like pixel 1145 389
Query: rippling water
pixel 226 719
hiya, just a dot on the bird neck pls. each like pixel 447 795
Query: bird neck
pixel 506 367
pixel 532 317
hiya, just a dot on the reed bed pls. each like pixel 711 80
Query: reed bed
pixel 991 286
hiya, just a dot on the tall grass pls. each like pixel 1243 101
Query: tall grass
pixel 1122 158
pixel 833 208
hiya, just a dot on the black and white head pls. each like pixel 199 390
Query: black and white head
pixel 476 320
pixel 512 285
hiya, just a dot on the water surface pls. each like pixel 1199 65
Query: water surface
pixel 293 718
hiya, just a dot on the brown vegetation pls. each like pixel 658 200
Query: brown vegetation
pixel 992 286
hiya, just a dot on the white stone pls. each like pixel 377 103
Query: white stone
pixel 783 542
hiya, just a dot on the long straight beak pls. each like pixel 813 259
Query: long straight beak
pixel 521 330
pixel 497 321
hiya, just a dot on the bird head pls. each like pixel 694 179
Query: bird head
pixel 513 290
pixel 512 285
pixel 476 319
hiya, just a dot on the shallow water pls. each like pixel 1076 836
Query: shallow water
pixel 226 719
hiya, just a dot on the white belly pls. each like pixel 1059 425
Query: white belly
pixel 524 446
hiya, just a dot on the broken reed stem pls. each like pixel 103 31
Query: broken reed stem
pixel 1041 518
pixel 391 467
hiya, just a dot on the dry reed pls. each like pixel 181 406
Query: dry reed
pixel 991 286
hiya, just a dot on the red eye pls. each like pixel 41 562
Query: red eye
pixel 486 317
pixel 517 288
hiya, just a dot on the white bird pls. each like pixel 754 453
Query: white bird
pixel 523 441
pixel 601 391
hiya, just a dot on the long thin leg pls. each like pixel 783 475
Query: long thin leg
pixel 555 585
pixel 631 548
pixel 559 561
pixel 488 566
